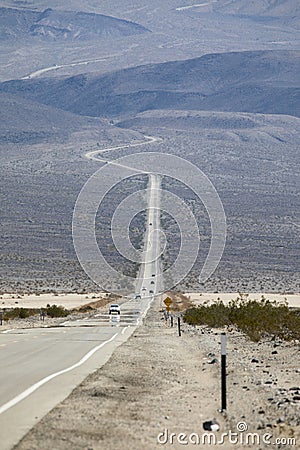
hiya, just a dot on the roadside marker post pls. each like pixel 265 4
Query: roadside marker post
pixel 171 318
pixel 179 330
pixel 223 372
pixel 1 317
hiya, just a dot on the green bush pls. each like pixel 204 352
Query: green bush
pixel 254 318
pixel 19 313
pixel 56 311
pixel 24 313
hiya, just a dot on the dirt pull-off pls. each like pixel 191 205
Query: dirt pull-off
pixel 158 383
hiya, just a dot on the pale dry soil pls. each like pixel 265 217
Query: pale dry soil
pixel 159 381
pixel 42 300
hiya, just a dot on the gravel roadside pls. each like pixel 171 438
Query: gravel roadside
pixel 158 383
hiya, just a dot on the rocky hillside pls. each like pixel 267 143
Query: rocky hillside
pixel 261 81
pixel 63 25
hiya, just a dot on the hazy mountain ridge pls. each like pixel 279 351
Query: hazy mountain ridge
pixel 262 81
pixel 272 8
pixel 268 12
pixel 246 126
pixel 24 121
pixel 63 25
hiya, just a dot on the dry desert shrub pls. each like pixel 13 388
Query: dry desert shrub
pixel 255 318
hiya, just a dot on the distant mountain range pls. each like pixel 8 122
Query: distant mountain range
pixel 285 12
pixel 271 8
pixel 63 25
pixel 260 81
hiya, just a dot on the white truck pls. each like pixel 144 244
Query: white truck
pixel 114 308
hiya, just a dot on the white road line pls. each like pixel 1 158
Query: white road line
pixel 124 329
pixel 45 380
pixel 8 331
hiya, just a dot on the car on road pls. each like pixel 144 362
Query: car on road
pixel 144 289
pixel 151 292
pixel 114 308
pixel 137 296
pixel 152 282
pixel 153 274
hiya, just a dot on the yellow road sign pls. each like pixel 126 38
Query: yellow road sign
pixel 168 301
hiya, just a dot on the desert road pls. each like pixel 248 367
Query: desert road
pixel 149 280
pixel 41 366
pixel 94 154
pixel 56 67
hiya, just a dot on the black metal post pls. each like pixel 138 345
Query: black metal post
pixel 1 317
pixel 171 321
pixel 223 372
pixel 179 330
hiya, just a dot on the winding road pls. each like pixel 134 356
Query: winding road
pixel 41 366
pixel 94 154
pixel 55 67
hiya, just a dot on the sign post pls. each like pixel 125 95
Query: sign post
pixel 42 314
pixel 179 329
pixel 223 372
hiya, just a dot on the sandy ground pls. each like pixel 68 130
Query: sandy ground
pixel 158 383
pixel 41 301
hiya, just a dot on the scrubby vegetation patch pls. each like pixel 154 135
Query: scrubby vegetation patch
pixel 255 318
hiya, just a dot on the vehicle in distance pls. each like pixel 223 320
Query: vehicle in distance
pixel 137 296
pixel 114 308
pixel 152 282
pixel 150 292
pixel 144 289
pixel 153 274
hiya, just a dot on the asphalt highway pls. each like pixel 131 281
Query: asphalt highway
pixel 41 366
pixel 149 281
